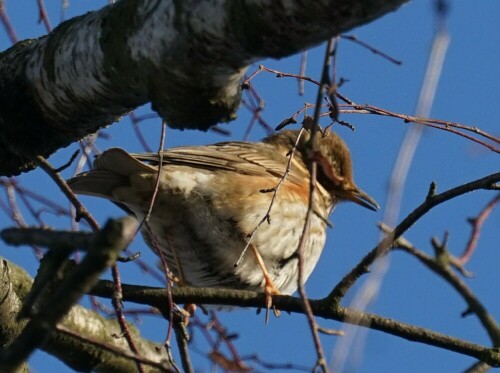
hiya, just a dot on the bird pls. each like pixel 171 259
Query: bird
pixel 216 201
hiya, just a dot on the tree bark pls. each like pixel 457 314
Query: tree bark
pixel 77 353
pixel 187 58
pixel 81 338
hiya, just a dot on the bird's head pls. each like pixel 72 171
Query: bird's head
pixel 334 166
pixel 335 173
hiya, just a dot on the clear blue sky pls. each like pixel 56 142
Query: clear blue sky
pixel 467 93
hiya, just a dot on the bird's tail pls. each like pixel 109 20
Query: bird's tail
pixel 111 170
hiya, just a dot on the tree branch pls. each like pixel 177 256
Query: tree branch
pixel 87 352
pixel 384 246
pixel 444 270
pixel 157 297
pixel 45 313
pixel 186 58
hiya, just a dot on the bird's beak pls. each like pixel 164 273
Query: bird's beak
pixel 356 195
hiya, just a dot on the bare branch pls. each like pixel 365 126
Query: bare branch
pixel 156 297
pixel 60 99
pixel 443 270
pixel 477 224
pixel 384 246
pixel 106 247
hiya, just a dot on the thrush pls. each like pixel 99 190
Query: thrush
pixel 212 200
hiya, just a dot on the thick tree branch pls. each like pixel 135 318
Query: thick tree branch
pixel 55 303
pixel 82 353
pixel 187 58
pixel 10 304
pixel 52 301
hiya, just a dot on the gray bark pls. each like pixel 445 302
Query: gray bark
pixel 186 58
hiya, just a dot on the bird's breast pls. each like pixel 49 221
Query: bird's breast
pixel 203 221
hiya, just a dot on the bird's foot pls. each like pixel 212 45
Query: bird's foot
pixel 187 312
pixel 269 290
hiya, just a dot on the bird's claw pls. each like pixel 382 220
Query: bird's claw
pixel 269 290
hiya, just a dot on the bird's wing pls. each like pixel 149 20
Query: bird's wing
pixel 254 159
pixel 113 167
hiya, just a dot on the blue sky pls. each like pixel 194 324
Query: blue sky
pixel 467 93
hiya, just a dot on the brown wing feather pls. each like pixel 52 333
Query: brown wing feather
pixel 113 167
pixel 255 159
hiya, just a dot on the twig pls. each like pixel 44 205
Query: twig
pixel 444 271
pixel 182 338
pixel 135 126
pixel 156 297
pixel 478 367
pixel 331 331
pixel 325 81
pixel 255 104
pixel 116 301
pixel 106 247
pixel 376 51
pixel 68 163
pixel 429 122
pixel 271 366
pixel 152 200
pixel 477 224
pixel 385 244
pixel 246 83
pixel 15 213
pixel 227 338
pixel 44 17
pixel 159 252
pixel 9 29
pixel 302 72
pixel 82 212
pixel 47 238
pixel 274 190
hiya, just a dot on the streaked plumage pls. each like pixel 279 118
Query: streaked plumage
pixel 210 199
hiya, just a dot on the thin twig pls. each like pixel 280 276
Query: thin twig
pixel 4 18
pixel 444 271
pixel 374 50
pixel 429 122
pixel 227 339
pixel 145 221
pixel 182 338
pixel 43 16
pixel 152 200
pixel 138 133
pixel 274 190
pixel 82 212
pixel 477 224
pixel 159 252
pixel 386 243
pixel 15 213
pixel 325 81
pixel 120 316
